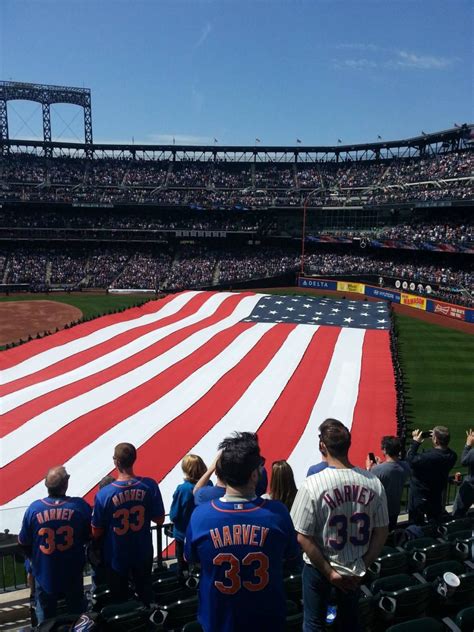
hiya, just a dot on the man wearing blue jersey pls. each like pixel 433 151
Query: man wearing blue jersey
pixel 123 512
pixel 53 534
pixel 241 542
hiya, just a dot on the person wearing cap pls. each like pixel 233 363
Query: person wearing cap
pixel 54 532
pixel 341 518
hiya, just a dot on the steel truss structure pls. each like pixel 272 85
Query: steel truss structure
pixel 46 95
pixel 458 138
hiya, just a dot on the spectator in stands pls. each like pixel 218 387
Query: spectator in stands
pixel 54 532
pixel 341 519
pixel 182 505
pixel 282 484
pixel 122 515
pixel 241 542
pixel 465 496
pixel 94 549
pixel 429 475
pixel 393 473
pixel 318 467
pixel 204 490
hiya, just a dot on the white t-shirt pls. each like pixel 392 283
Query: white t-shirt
pixel 339 508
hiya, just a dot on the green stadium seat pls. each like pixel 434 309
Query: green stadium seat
pixel 437 570
pixel 462 544
pixel 177 614
pixel 294 622
pixel 460 524
pixel 100 598
pixel 131 616
pixel 293 588
pixel 400 597
pixel 425 624
pixel 465 619
pixel 192 626
pixel 390 562
pixel 426 551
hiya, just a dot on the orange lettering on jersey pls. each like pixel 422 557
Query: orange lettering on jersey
pixel 263 535
pixel 245 533
pixel 39 518
pixel 216 538
pixel 46 515
pixel 116 500
pixel 237 533
pixel 253 535
pixel 226 539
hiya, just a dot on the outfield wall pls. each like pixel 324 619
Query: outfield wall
pixel 424 303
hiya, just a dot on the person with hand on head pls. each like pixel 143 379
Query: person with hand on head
pixel 123 512
pixel 465 496
pixel 182 505
pixel 429 475
pixel 204 490
pixel 53 535
pixel 341 518
pixel 393 472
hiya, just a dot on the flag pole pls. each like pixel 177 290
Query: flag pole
pixel 303 233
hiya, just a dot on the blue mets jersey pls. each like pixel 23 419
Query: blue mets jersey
pixel 241 547
pixel 124 510
pixel 57 530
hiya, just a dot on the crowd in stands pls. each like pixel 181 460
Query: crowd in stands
pixel 191 266
pixel 233 184
pixel 278 531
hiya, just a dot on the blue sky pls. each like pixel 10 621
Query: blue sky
pixel 235 70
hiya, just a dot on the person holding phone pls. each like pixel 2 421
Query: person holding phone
pixel 429 475
pixel 393 473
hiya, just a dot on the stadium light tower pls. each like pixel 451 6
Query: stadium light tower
pixel 303 234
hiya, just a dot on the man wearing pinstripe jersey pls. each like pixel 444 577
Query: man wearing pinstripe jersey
pixel 341 517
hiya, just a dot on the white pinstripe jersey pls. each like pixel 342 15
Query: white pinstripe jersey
pixel 339 508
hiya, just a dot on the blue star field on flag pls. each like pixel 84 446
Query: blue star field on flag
pixel 304 310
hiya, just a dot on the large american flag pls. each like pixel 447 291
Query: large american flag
pixel 177 375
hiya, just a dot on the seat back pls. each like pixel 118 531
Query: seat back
pixel 425 624
pixel 404 603
pixel 437 570
pixel 176 614
pixel 465 619
pixel 130 616
pixel 392 563
pixel 460 524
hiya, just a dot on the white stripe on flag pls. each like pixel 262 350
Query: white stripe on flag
pixel 17 398
pixel 51 356
pixel 337 399
pixel 39 428
pixel 253 407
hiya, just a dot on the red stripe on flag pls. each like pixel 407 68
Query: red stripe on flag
pixel 28 469
pixel 158 456
pixel 282 429
pixel 375 411
pixel 14 356
pixel 81 358
pixel 17 416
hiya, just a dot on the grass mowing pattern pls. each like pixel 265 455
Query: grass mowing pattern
pixel 438 366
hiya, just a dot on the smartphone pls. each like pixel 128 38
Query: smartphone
pixel 426 434
pixel 372 457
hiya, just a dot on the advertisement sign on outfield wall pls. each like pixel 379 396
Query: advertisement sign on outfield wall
pixel 387 295
pixel 344 286
pixel 446 309
pixel 419 302
pixel 318 283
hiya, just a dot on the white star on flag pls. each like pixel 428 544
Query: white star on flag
pixel 348 320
